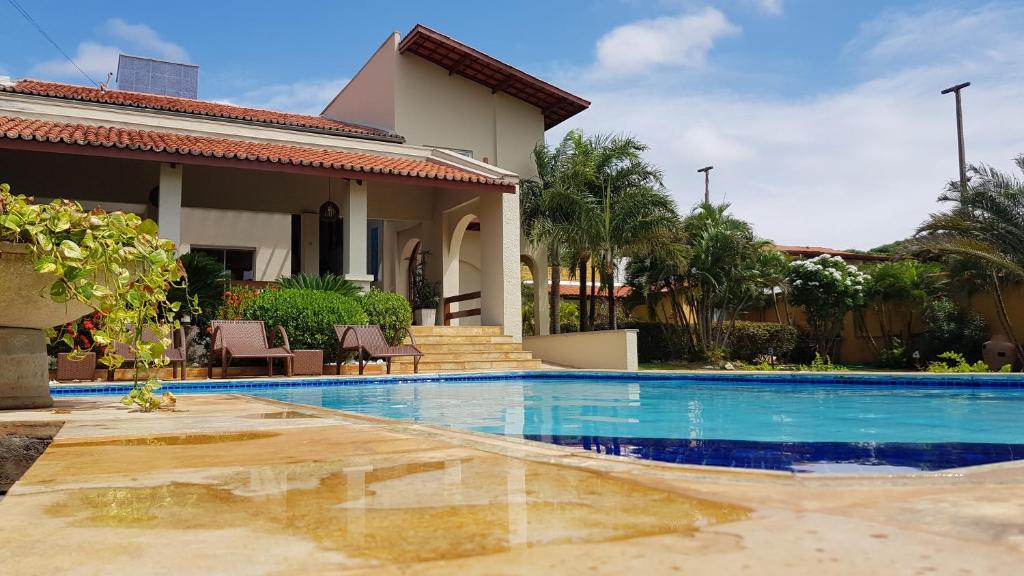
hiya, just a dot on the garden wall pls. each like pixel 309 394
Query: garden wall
pixel 602 350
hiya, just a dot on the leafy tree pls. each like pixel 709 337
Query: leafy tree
pixel 985 224
pixel 893 287
pixel 950 328
pixel 826 287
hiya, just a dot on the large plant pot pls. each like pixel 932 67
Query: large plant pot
pixel 26 311
pixel 425 316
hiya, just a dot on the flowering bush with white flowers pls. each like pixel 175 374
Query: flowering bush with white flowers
pixel 826 287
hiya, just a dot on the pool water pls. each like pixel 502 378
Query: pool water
pixel 798 426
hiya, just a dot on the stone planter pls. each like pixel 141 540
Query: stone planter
pixel 25 313
pixel 425 316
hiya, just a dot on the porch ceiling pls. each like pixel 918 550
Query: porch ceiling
pixel 86 139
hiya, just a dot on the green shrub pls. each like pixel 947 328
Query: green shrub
pixel 388 310
pixel 750 340
pixel 948 327
pixel 569 316
pixel 657 342
pixel 308 316
pixel 954 362
pixel 328 282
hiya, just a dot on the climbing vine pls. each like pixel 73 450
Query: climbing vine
pixel 114 263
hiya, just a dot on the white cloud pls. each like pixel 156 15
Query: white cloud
pixel 95 59
pixel 772 7
pixel 143 37
pixel 667 41
pixel 303 97
pixel 98 58
pixel 851 168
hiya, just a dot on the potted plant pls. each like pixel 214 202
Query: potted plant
pixel 425 296
pixel 59 262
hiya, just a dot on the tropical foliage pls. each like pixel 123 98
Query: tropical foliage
pixel 596 201
pixel 826 287
pixel 116 263
pixel 893 292
pixel 327 282
pixel 984 224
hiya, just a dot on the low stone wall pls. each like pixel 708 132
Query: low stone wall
pixel 602 350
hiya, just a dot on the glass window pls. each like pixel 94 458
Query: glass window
pixel 239 262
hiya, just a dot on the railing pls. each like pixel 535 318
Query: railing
pixel 449 315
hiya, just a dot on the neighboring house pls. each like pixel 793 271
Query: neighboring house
pixel 421 152
pixel 856 258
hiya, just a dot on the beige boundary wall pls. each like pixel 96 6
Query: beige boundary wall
pixel 603 350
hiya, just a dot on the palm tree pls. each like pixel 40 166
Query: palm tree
pixel 986 225
pixel 553 212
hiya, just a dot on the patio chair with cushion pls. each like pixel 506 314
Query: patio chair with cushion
pixel 176 354
pixel 246 339
pixel 368 343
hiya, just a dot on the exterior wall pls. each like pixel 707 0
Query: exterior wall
pixel 269 233
pixel 369 97
pixel 604 350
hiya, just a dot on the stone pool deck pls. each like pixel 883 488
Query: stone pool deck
pixel 230 484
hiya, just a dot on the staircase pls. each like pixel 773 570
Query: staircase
pixel 464 349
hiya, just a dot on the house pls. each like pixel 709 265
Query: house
pixel 421 153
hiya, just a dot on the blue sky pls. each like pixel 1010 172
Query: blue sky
pixel 823 118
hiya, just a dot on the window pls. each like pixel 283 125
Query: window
pixel 240 262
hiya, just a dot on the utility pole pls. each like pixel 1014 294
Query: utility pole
pixel 960 132
pixel 707 182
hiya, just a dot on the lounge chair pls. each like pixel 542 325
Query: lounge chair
pixel 245 339
pixel 368 342
pixel 176 354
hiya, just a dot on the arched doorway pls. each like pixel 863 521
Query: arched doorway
pixel 410 256
pixel 462 270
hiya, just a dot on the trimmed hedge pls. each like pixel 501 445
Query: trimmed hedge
pixel 752 339
pixel 308 316
pixel 657 342
pixel 388 310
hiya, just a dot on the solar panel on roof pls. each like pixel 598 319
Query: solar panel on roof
pixel 137 74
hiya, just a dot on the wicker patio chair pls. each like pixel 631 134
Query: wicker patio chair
pixel 368 342
pixel 176 354
pixel 246 339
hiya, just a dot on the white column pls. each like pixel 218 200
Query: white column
pixel 353 211
pixel 310 238
pixel 541 296
pixel 169 215
pixel 500 300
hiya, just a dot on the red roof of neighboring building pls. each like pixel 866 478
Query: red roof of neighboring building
pixel 573 289
pixel 185 145
pixel 198 107
pixel 458 58
pixel 813 251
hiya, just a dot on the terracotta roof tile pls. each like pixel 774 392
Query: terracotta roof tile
pixel 15 128
pixel 198 107
pixel 819 250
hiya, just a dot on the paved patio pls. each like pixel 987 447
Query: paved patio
pixel 231 484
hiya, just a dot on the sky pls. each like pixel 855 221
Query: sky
pixel 822 118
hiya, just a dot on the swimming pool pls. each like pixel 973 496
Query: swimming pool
pixel 803 424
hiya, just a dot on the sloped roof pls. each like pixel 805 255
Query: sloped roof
pixel 458 58
pixel 182 146
pixel 813 251
pixel 197 107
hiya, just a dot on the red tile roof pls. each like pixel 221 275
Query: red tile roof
pixel 458 58
pixel 198 107
pixel 813 251
pixel 573 289
pixel 179 145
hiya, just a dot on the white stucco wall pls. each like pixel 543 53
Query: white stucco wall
pixel 268 233
pixel 369 97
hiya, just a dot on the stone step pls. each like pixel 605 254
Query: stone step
pixel 425 366
pixel 472 339
pixel 469 356
pixel 456 330
pixel 453 347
